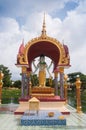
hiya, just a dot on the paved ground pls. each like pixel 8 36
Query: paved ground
pixel 9 121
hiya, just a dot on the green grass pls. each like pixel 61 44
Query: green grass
pixel 10 94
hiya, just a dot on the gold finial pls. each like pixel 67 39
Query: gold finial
pixel 44 27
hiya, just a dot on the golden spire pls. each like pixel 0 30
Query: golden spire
pixel 44 27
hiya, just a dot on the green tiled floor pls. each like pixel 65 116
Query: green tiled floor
pixel 9 121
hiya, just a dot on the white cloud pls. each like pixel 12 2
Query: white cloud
pixel 8 25
pixel 9 38
pixel 82 7
pixel 78 60
pixel 74 28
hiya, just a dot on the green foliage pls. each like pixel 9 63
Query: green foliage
pixel 73 76
pixel 49 82
pixel 34 80
pixel 7 76
pixel 17 84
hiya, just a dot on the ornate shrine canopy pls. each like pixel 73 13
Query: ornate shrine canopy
pixel 45 45
pixel 46 48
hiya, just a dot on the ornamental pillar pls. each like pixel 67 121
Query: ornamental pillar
pixel 26 85
pixel 61 70
pixel 56 82
pixel 1 84
pixel 78 95
pixel 28 82
pixel 30 88
pixel 23 84
pixel 65 88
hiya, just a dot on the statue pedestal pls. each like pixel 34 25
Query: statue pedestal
pixel 42 92
pixel 42 98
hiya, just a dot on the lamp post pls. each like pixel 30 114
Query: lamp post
pixel 78 94
pixel 1 84
pixel 65 88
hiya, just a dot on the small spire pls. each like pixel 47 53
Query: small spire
pixel 44 27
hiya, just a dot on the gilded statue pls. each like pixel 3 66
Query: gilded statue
pixel 42 66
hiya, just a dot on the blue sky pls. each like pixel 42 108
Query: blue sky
pixel 18 9
pixel 65 20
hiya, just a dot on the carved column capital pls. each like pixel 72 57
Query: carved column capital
pixel 24 69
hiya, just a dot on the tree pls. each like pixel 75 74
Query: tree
pixel 73 76
pixel 34 80
pixel 17 84
pixel 7 76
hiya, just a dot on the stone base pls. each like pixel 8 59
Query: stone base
pixel 42 118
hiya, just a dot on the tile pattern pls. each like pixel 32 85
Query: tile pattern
pixel 42 118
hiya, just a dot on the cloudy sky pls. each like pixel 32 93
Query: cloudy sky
pixel 65 20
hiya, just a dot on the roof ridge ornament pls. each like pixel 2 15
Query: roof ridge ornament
pixel 43 35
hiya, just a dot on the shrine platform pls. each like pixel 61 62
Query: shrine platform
pixel 46 103
pixel 74 121
pixel 42 118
